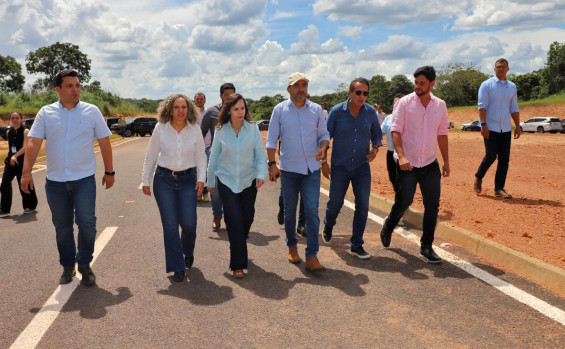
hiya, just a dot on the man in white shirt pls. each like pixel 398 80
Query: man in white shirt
pixel 69 127
pixel 200 101
pixel 380 114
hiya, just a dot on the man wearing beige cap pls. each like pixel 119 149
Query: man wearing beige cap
pixel 301 127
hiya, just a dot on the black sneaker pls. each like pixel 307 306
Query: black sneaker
pixel 179 276
pixel 280 216
pixel 88 277
pixel 300 230
pixel 67 275
pixel 360 252
pixel 428 254
pixel 188 261
pixel 4 214
pixel 327 234
pixel 386 234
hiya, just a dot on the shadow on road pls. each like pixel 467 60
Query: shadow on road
pixel 92 302
pixel 198 290
pixel 255 238
pixel 525 201
pixel 23 218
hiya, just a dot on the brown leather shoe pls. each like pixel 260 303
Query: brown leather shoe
pixel 216 223
pixel 478 186
pixel 313 264
pixel 502 194
pixel 293 256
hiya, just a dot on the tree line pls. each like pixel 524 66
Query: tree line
pixel 457 84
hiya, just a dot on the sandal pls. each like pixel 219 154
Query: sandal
pixel 238 274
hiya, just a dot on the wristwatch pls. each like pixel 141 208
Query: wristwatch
pixel 109 173
pixel 271 163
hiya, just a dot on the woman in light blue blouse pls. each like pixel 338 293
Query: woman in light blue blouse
pixel 239 163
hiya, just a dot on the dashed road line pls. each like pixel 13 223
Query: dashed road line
pixel 533 302
pixel 41 322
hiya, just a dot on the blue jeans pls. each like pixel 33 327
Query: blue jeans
pixel 301 219
pixel 216 200
pixel 176 198
pixel 360 179
pixel 309 188
pixel 68 201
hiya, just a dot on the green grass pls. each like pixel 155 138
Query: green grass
pixel 558 98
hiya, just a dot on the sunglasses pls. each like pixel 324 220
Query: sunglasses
pixel 358 93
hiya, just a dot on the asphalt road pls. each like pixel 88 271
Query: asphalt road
pixel 389 301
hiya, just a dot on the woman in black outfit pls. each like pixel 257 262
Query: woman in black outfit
pixel 17 139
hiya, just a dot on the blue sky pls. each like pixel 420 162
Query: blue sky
pixel 142 48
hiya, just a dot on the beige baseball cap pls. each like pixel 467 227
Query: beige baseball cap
pixel 295 77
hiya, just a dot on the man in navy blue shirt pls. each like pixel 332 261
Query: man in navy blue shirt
pixel 354 127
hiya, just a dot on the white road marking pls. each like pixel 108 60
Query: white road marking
pixel 41 322
pixel 546 309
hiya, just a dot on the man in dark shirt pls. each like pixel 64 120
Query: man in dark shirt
pixel 209 121
pixel 354 126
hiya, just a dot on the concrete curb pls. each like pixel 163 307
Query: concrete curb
pixel 542 273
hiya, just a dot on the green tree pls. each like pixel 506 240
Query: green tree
pixel 50 60
pixel 554 72
pixel 11 78
pixel 458 84
pixel 528 85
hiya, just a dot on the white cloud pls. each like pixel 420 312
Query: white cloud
pixel 282 14
pixel 350 31
pixel 224 39
pixel 233 12
pixel 308 43
pixel 396 47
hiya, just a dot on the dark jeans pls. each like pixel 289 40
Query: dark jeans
pixel 429 179
pixel 239 212
pixel 28 200
pixel 308 186
pixel 215 197
pixel 68 201
pixel 497 145
pixel 391 168
pixel 360 180
pixel 301 218
pixel 176 198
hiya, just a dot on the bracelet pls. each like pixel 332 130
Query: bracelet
pixel 271 163
pixel 109 173
pixel 323 161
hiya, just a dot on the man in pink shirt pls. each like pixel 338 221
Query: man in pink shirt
pixel 419 122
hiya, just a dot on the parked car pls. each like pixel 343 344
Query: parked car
pixel 263 125
pixel 541 124
pixel 25 122
pixel 112 121
pixel 563 126
pixel 472 126
pixel 140 125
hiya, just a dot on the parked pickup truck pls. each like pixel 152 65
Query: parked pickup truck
pixel 141 125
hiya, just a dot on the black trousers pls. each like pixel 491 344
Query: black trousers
pixel 28 200
pixel 391 167
pixel 239 212
pixel 429 179
pixel 497 145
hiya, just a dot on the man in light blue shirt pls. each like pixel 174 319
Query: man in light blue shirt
pixel 70 127
pixel 301 127
pixel 498 101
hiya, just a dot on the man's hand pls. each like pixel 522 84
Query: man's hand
pixel 274 173
pixel 26 183
pixel 259 182
pixel 146 190
pixel 517 132
pixel 404 164
pixel 484 131
pixel 13 160
pixel 326 170
pixel 108 181
pixel 446 170
pixel 199 188
pixel 373 154
pixel 321 155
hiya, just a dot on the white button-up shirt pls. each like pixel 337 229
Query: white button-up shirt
pixel 69 136
pixel 174 150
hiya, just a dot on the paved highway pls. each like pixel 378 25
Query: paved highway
pixel 389 301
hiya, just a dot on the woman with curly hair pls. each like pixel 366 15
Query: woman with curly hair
pixel 177 148
pixel 238 165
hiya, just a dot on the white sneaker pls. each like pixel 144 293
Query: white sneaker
pixel 28 210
